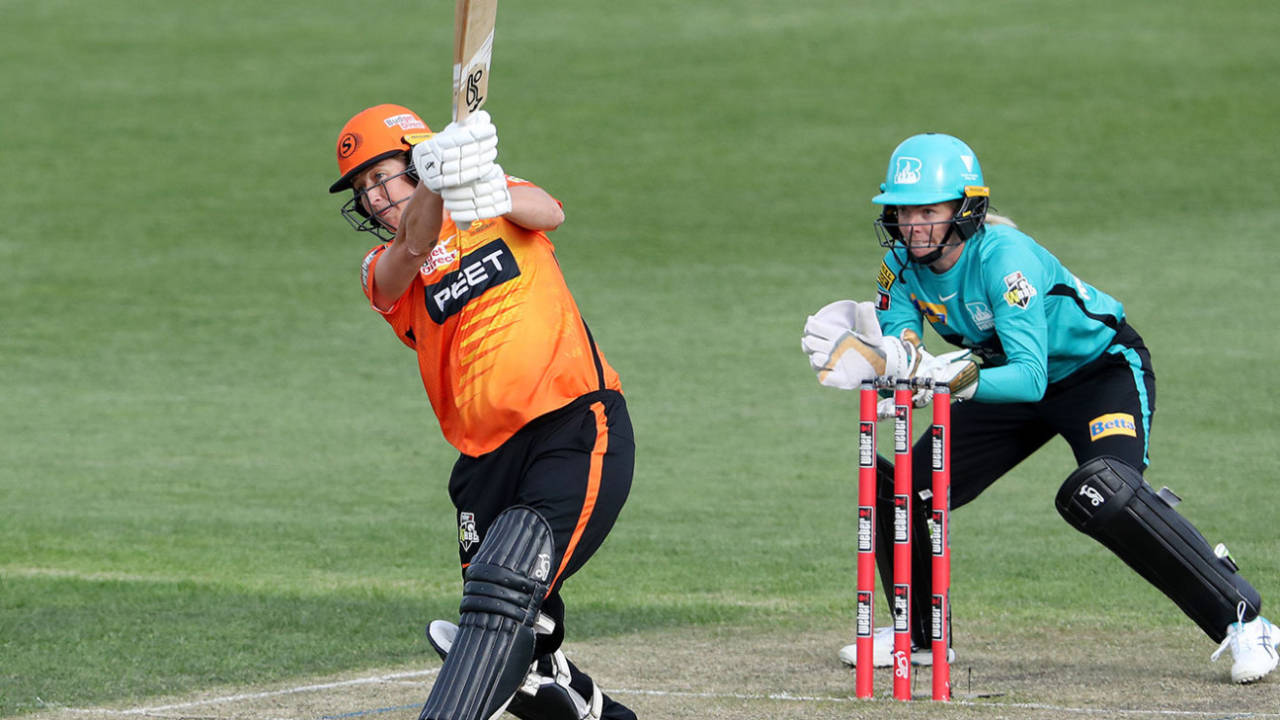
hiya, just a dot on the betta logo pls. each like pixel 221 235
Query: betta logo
pixel 1112 424
pixel 347 145
pixel 908 171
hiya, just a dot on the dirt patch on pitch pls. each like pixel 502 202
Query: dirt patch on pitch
pixel 733 673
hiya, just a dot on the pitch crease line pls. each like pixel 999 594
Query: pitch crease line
pixel 260 695
pixel 781 696
pixel 968 703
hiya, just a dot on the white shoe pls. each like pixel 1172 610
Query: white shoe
pixel 1253 648
pixel 882 651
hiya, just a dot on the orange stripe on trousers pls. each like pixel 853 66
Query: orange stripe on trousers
pixel 595 470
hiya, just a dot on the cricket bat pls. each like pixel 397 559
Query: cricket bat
pixel 473 23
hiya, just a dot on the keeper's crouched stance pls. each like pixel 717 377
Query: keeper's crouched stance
pixel 1042 354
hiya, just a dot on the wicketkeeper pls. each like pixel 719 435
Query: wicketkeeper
pixel 1043 354
pixel 469 281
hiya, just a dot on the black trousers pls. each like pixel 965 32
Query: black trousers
pixel 1104 408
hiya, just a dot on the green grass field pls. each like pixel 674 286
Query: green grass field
pixel 219 466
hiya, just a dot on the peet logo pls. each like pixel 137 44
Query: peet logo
pixel 489 266
pixel 1112 424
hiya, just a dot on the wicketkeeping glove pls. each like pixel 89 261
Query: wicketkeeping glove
pixel 845 346
pixel 957 370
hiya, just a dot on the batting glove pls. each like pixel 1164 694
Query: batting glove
pixel 486 197
pixel 466 150
pixel 427 163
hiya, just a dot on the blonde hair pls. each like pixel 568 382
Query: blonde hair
pixel 994 219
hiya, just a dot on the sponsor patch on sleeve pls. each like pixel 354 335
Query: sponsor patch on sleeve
pixel 1112 424
pixel 886 277
pixel 364 267
pixel 882 300
pixel 1019 289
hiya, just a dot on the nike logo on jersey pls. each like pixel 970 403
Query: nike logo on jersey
pixel 487 267
pixel 945 298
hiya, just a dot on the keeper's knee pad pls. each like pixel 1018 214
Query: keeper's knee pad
pixel 1108 500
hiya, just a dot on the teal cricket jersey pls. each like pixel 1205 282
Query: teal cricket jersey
pixel 1011 302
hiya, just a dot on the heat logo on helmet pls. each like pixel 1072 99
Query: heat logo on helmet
pixel 908 171
pixel 347 144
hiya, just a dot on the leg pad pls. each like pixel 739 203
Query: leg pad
pixel 1108 500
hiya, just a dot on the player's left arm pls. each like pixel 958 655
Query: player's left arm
pixel 1016 283
pixel 533 208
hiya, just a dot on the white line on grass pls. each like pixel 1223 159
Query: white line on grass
pixel 393 677
pixel 786 697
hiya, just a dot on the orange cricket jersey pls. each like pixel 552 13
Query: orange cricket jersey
pixel 499 337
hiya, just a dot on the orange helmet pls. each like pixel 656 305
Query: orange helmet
pixel 373 135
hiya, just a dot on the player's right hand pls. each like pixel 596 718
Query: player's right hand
pixel 845 346
pixel 486 197
pixel 460 154
pixel 837 353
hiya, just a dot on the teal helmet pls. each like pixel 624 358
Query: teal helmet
pixel 929 168
pixel 932 168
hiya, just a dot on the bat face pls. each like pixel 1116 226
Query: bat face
pixel 472 54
